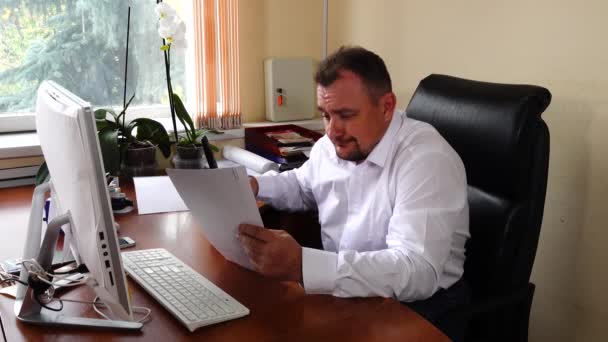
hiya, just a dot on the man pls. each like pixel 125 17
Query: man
pixel 390 192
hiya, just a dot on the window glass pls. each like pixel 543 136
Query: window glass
pixel 80 44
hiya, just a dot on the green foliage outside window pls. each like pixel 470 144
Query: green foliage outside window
pixel 80 45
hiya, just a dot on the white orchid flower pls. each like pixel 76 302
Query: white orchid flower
pixel 168 27
pixel 178 40
pixel 171 28
pixel 179 45
pixel 180 32
pixel 164 11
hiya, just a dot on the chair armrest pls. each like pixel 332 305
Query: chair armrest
pixel 481 306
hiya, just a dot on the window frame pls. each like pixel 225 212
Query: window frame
pixel 26 121
pixel 11 122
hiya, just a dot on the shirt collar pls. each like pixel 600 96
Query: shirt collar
pixel 380 152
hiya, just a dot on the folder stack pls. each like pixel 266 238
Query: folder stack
pixel 288 145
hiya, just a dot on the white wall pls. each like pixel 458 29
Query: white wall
pixel 559 44
pixel 274 28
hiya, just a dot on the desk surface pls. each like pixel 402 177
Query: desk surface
pixel 280 311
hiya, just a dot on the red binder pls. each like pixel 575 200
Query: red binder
pixel 272 142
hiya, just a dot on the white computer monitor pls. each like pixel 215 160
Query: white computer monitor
pixel 68 138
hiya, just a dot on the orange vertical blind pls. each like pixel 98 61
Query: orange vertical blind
pixel 217 95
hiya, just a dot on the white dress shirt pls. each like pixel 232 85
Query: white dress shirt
pixel 393 225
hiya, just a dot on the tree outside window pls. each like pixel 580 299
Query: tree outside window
pixel 80 44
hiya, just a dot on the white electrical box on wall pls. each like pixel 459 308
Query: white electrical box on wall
pixel 289 89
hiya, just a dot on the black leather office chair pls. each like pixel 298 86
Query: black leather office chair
pixel 498 132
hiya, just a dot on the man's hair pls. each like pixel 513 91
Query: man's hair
pixel 363 63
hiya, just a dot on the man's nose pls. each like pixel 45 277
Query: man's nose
pixel 334 128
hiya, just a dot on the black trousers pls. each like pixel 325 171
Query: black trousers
pixel 436 309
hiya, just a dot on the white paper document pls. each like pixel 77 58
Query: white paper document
pixel 157 195
pixel 220 200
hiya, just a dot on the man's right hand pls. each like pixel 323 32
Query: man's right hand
pixel 254 185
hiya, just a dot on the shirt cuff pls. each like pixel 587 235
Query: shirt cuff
pixel 319 270
pixel 265 188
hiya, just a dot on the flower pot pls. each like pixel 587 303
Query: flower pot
pixel 140 161
pixel 190 157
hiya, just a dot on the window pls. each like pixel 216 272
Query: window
pixel 80 44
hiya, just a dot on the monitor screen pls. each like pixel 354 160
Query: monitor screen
pixel 68 138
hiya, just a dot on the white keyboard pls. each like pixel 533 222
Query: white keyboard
pixel 190 297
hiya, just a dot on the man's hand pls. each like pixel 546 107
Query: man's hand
pixel 254 185
pixel 274 253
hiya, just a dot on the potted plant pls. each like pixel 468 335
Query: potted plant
pixel 122 152
pixel 128 153
pixel 192 143
pixel 134 155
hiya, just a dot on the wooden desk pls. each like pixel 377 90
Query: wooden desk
pixel 280 311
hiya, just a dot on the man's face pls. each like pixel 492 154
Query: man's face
pixel 353 122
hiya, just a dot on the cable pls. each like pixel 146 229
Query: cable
pixel 37 298
pixel 97 309
pixel 52 283
pixel 82 268
pixel 11 280
pixel 2 327
pixel 4 275
pixel 34 269
pixel 139 309
pixel 37 273
pixel 136 309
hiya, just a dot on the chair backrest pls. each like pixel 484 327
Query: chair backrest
pixel 504 144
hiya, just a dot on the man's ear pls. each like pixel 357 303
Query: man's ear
pixel 389 103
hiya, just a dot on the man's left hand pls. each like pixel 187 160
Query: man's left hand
pixel 274 253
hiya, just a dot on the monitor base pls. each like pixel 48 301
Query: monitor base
pixel 58 319
pixel 27 309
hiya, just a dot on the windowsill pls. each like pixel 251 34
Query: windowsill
pixel 25 144
pixel 21 144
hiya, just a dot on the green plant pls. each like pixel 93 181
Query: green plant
pixel 191 135
pixel 42 175
pixel 116 136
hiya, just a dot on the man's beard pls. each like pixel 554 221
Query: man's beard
pixel 355 155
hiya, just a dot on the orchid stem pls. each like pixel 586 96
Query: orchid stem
pixel 170 91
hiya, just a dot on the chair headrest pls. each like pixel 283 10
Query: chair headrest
pixel 488 124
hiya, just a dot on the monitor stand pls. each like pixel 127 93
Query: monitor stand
pixel 27 308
